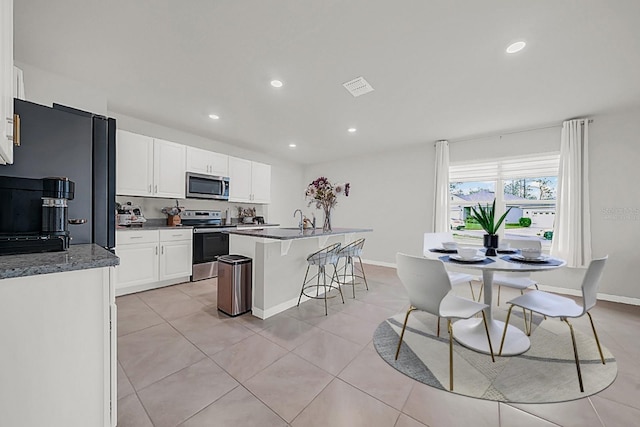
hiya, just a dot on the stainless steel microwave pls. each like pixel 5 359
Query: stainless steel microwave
pixel 207 187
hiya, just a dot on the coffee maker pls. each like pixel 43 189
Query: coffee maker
pixel 34 217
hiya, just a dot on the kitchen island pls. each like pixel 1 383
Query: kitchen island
pixel 58 317
pixel 280 260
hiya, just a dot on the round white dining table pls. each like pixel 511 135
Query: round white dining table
pixel 470 332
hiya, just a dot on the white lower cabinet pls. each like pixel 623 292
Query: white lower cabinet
pixel 58 352
pixel 152 258
pixel 175 254
pixel 138 264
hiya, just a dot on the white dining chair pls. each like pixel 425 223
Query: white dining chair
pixel 429 288
pixel 434 241
pixel 551 305
pixel 515 280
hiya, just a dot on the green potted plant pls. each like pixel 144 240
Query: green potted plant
pixel 485 217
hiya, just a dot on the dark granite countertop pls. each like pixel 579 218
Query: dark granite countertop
pixel 78 257
pixel 153 227
pixel 294 233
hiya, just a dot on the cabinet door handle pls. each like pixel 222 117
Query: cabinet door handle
pixel 149 188
pixel 162 250
pixel 176 235
pixel 15 121
pixel 155 190
pixel 135 237
pixel 156 250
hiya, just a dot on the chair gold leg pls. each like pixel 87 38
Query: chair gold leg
pixel 473 294
pixel 364 277
pixel 438 333
pixel 480 294
pixel 450 354
pixel 595 335
pixel 575 353
pixel 504 333
pixel 486 328
pixel 403 328
pixel 499 287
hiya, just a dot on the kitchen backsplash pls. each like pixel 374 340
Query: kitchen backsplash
pixel 152 207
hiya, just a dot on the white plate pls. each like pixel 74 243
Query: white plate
pixel 541 258
pixel 474 259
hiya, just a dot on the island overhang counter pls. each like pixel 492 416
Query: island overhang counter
pixel 280 260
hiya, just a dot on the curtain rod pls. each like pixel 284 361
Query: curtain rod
pixel 509 132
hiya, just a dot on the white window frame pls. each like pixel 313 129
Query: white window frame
pixel 503 169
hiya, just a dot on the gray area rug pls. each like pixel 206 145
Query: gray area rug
pixel 546 373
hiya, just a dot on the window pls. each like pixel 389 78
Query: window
pixel 527 185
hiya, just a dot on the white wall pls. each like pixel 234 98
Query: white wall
pixel 45 88
pixel 391 192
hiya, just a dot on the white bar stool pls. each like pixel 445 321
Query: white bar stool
pixel 322 258
pixel 349 252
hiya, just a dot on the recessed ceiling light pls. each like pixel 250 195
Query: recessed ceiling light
pixel 276 83
pixel 351 130
pixel 214 116
pixel 292 146
pixel 516 47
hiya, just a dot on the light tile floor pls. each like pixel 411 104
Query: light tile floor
pixel 181 362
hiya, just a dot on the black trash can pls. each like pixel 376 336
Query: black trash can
pixel 234 284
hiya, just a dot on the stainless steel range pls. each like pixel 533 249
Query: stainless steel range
pixel 209 241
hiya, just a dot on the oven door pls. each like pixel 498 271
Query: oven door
pixel 208 245
pixel 207 187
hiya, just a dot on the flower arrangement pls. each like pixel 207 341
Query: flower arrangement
pixel 325 196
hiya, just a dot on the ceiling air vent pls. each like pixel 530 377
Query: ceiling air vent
pixel 358 86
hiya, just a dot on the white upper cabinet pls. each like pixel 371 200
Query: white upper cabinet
pixel 239 180
pixel 249 181
pixel 6 82
pixel 149 167
pixel 260 182
pixel 168 169
pixel 134 164
pixel 207 162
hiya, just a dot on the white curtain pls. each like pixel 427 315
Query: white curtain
pixel 572 231
pixel 441 194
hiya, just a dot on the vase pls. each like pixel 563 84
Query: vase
pixel 490 242
pixel 327 219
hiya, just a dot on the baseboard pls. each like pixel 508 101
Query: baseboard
pixel 601 296
pixel 148 286
pixel 272 311
pixel 379 263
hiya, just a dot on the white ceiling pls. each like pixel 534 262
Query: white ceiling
pixel 439 68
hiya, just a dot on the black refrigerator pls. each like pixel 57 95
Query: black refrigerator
pixel 61 141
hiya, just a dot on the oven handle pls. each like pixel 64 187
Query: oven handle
pixel 212 230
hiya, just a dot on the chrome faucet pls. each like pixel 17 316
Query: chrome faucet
pixel 301 224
